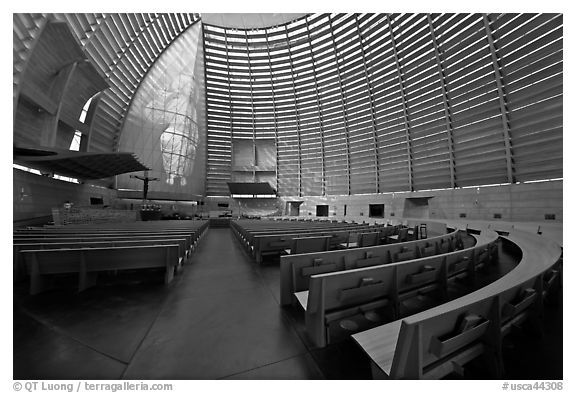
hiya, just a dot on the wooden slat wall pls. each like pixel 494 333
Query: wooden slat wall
pixel 530 51
pixel 368 103
pixel 357 103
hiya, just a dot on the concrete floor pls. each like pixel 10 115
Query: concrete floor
pixel 219 319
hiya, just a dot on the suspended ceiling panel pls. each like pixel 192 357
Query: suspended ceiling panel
pixel 78 165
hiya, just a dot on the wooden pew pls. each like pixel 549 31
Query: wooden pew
pixel 437 346
pixel 20 265
pixel 262 245
pixel 196 229
pixel 98 232
pixel 433 343
pixel 304 245
pixel 366 239
pixel 339 239
pixel 109 234
pixel 83 238
pixel 401 236
pixel 333 296
pixel 249 237
pixel 139 225
pixel 295 271
pixel 87 262
pixel 279 227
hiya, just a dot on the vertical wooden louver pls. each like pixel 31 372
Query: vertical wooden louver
pixel 364 103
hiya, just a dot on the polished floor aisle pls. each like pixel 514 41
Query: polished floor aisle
pixel 219 319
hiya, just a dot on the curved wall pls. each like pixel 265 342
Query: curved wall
pixel 370 103
pixel 165 125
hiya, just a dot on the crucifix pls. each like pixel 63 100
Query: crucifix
pixel 145 179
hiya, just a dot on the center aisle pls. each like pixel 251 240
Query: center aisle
pixel 222 320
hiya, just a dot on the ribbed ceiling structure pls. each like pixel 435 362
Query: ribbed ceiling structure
pixel 366 103
pixel 122 46
pixel 352 103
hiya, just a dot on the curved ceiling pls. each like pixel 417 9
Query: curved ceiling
pixel 248 20
pixel 122 46
pixel 370 103
pixel 494 75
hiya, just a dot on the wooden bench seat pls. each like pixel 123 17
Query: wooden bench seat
pixel 401 236
pixel 433 343
pixel 87 262
pixel 262 245
pixel 20 266
pixel 334 295
pixel 83 238
pixel 304 245
pixel 295 271
pixel 195 230
pixel 249 236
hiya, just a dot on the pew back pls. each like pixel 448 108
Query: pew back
pixel 331 293
pixel 424 337
pixel 434 347
pixel 87 261
pixel 20 267
pixel 304 245
pixel 295 270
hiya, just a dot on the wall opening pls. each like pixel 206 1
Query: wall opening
pixel 96 201
pixel 293 208
pixel 321 210
pixel 376 210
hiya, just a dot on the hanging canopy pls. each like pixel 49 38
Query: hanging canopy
pixel 251 190
pixel 79 165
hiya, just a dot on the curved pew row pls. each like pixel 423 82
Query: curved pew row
pixel 337 239
pixel 376 292
pixel 296 270
pixel 441 340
